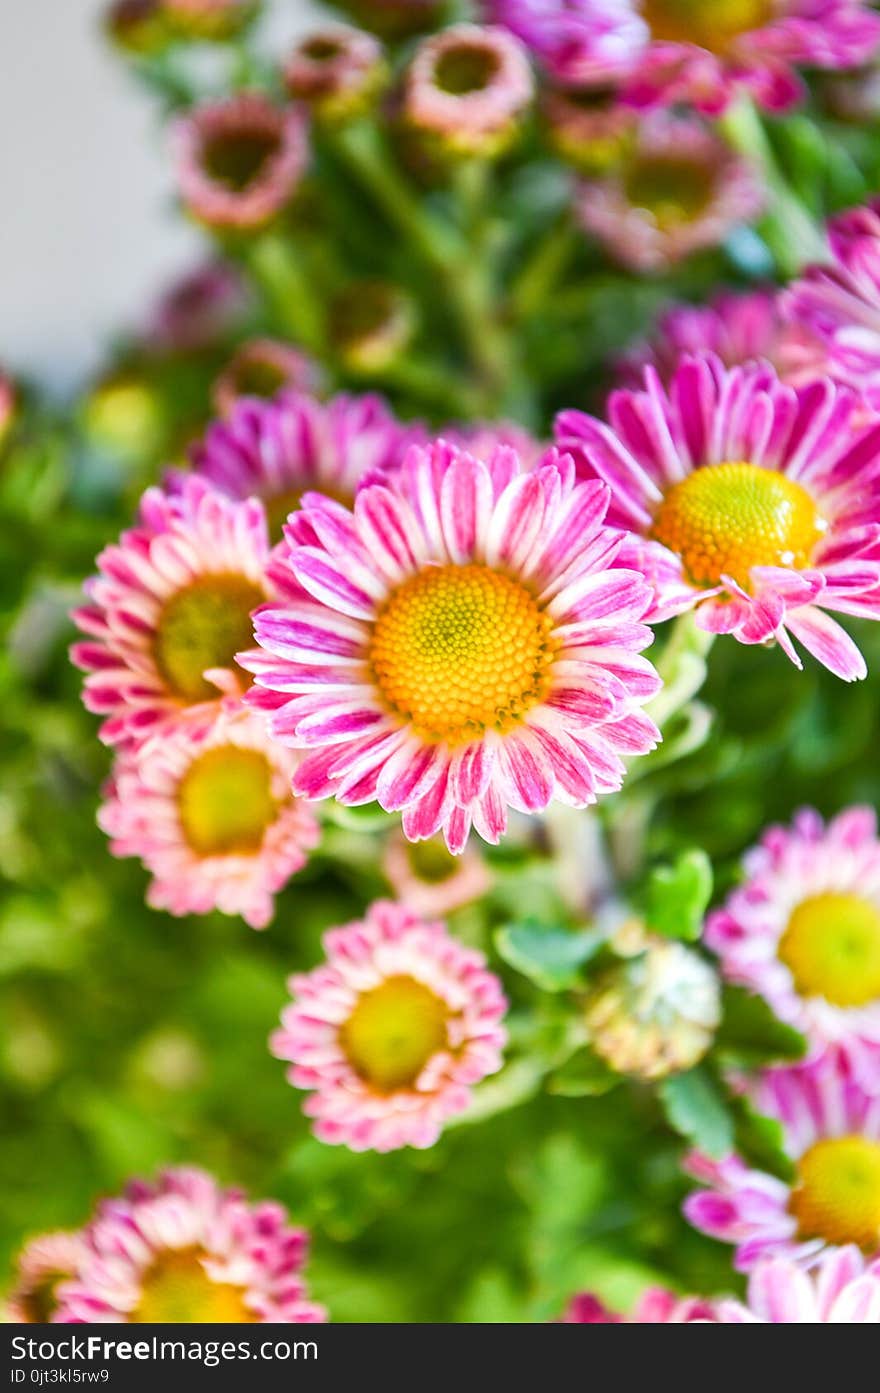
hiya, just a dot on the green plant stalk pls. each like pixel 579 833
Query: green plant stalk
pixel 285 281
pixel 544 267
pixel 791 232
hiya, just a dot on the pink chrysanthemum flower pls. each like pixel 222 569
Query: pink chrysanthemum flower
pixel 656 1306
pixel 737 326
pixel 459 645
pixel 198 309
pixel 337 70
pixel 170 610
pixel 697 52
pixel 804 932
pixel 588 127
pixel 42 1265
pixel 838 305
pixel 755 502
pixel 831 1129
pixel 428 879
pixel 392 1031
pixel 467 87
pixel 212 817
pixel 263 368
pixel 186 1251
pixel 843 1290
pixel 678 188
pixel 239 161
pixel 278 451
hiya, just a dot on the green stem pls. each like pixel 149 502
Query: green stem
pixel 682 666
pixel 791 232
pixel 544 268
pixel 285 281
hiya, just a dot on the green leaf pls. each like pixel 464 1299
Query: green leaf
pixel 678 896
pixel 750 1034
pixel 697 1109
pixel 760 1140
pixel 551 958
pixel 584 1075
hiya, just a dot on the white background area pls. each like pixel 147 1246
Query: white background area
pixel 88 228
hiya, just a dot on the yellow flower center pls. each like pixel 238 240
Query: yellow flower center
pixel 672 189
pixel 837 1196
pixel 831 946
pixel 393 1031
pixel 225 801
pixel 713 24
pixel 459 650
pixel 178 1289
pixel 726 518
pixel 201 627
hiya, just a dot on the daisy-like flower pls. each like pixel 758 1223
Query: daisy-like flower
pixel 427 878
pixel 239 161
pixel 588 127
pixel 169 611
pixel 656 1306
pixel 697 52
pixel 212 817
pixel 337 70
pixel 278 451
pixel 755 502
pixel 843 1290
pixel 209 19
pixel 459 645
pixel 198 309
pixel 263 368
pixel 838 305
pixel 656 1013
pixel 41 1266
pixel 392 1031
pixel 738 327
pixel 804 932
pixel 467 88
pixel 678 188
pixel 831 1130
pixel 186 1251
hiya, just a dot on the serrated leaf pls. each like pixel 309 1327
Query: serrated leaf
pixel 751 1034
pixel 697 1109
pixel 584 1075
pixel 549 957
pixel 678 895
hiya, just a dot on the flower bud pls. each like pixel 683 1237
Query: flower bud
pixel 262 368
pixel 337 71
pixel 371 324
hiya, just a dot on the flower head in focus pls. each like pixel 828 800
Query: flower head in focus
pixel 677 188
pixel 753 502
pixel 699 53
pixel 239 161
pixel 804 932
pixel 392 1031
pixel 212 817
pixel 170 611
pixel 831 1130
pixel 457 644
pixel 467 88
pixel 185 1250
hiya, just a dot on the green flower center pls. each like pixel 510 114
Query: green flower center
pixel 393 1031
pixel 837 1195
pixel 203 627
pixel 432 861
pixel 726 518
pixel 237 159
pixel 225 801
pixel 177 1289
pixel 831 946
pixel 673 190
pixel 460 71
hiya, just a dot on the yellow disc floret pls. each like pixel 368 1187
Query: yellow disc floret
pixel 713 24
pixel 178 1289
pixel 726 518
pixel 225 801
pixel 459 650
pixel 393 1031
pixel 203 627
pixel 837 1195
pixel 831 946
